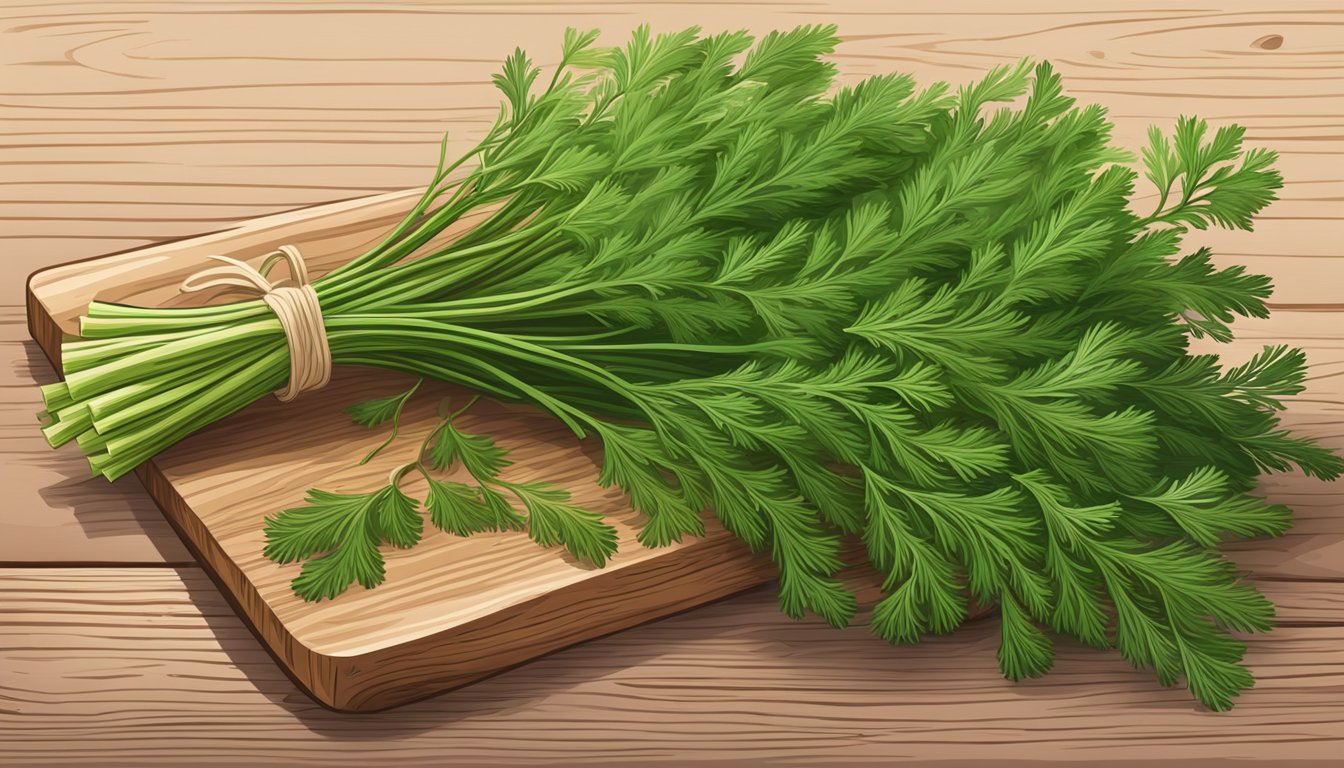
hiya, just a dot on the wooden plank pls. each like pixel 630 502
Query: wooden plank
pixel 150 667
pixel 137 121
pixel 279 116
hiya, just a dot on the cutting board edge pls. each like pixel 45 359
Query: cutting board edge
pixel 335 681
pixel 42 327
pixel 722 564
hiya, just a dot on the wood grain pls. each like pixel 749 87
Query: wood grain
pixel 219 114
pixel 123 123
pixel 149 667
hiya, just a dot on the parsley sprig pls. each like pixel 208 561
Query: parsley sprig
pixel 925 317
pixel 350 527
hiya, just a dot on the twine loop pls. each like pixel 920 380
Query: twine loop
pixel 294 304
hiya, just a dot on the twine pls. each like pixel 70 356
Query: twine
pixel 295 305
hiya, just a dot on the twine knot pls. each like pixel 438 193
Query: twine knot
pixel 295 305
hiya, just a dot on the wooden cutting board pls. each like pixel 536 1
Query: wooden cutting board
pixel 452 610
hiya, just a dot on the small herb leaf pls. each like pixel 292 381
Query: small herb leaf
pixel 397 517
pixel 349 527
pixel 357 559
pixel 552 520
pixel 380 410
pixel 478 453
pixel 458 508
pixel 321 525
pixel 506 518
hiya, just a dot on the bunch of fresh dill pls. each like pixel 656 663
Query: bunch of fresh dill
pixel 922 317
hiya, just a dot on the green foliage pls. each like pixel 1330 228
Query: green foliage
pixel 1219 183
pixel 478 453
pixel 348 528
pixel 924 317
pixel 338 535
pixel 378 411
pixel 459 508
pixel 552 520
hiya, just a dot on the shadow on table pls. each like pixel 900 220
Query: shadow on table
pixel 494 698
pixel 122 509
pixel 666 665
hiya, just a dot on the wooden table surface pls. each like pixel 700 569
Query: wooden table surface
pixel 122 123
